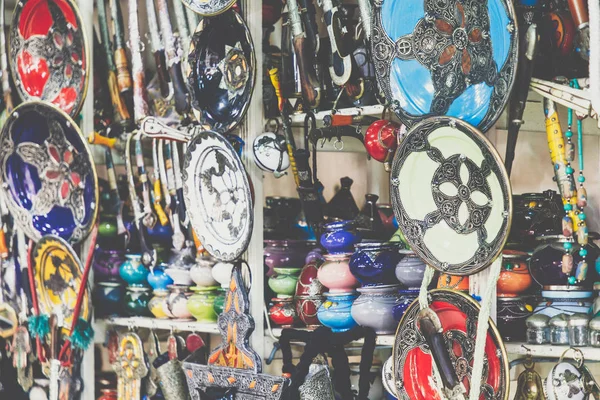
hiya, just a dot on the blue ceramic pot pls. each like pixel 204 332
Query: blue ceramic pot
pixel 373 308
pixel 568 302
pixel 406 298
pixel 340 237
pixel 133 272
pixel 108 298
pixel 375 263
pixel 158 279
pixel 335 313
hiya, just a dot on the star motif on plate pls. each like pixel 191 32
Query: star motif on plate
pixel 61 170
pixel 235 70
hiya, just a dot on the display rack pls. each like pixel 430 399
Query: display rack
pixel 549 351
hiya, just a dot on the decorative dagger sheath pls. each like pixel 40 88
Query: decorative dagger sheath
pixel 158 49
pixel 341 68
pixel 124 81
pixel 157 186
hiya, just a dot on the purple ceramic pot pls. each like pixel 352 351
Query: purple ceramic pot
pixel 106 263
pixel 375 263
pixel 315 256
pixel 284 254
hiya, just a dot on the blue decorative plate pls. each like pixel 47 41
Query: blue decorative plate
pixel 48 174
pixel 446 57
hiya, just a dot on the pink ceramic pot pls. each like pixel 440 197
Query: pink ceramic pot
pixel 335 273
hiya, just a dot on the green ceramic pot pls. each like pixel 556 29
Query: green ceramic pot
pixel 219 304
pixel 107 226
pixel 201 304
pixel 283 283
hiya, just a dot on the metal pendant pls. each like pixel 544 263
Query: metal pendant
pixel 529 384
pixel 130 366
pixel 153 353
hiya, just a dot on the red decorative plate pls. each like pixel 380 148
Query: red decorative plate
pixel 49 53
pixel 458 314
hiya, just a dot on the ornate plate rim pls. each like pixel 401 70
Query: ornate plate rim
pixel 38 286
pixel 229 255
pixel 383 78
pixel 468 301
pixel 191 4
pixel 26 97
pixel 468 268
pixel 199 112
pixel 17 210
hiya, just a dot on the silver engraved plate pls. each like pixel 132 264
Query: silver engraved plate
pixel 209 8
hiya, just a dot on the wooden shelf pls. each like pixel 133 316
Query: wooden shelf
pixel 373 111
pixel 159 324
pixel 550 350
pixel 382 340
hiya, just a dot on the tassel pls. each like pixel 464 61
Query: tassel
pixel 82 335
pixel 39 326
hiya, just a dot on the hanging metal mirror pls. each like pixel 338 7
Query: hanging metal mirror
pixel 57 275
pixel 49 177
pixel 217 196
pixel 49 53
pixel 222 71
pixel 413 357
pixel 451 196
pixel 208 8
pixel 446 57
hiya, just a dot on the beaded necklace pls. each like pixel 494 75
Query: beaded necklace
pixel 574 205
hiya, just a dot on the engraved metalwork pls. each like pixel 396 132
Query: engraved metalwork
pixel 49 53
pixel 208 8
pixel 130 366
pixel 50 182
pixel 453 42
pixel 459 186
pixel 234 364
pixel 460 345
pixel 217 196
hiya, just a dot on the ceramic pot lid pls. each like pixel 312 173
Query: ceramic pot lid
pixel 48 174
pixel 49 53
pixel 446 57
pixel 451 196
pixel 208 8
pixel 57 274
pixel 222 71
pixel 458 315
pixel 217 196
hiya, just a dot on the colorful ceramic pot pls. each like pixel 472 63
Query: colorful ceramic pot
pixel 108 298
pixel 221 273
pixel 177 300
pixel 283 283
pixel 306 309
pixel 133 272
pixel 405 299
pixel 335 273
pixel 219 303
pixel 107 263
pixel 380 139
pixel 201 304
pixel 158 278
pixel 410 270
pixel 565 301
pixel 315 256
pixel 339 237
pixel 156 305
pixel 136 301
pixel 308 283
pixel 512 314
pixel 284 254
pixel 108 394
pixel 375 263
pixel 335 313
pixel 545 264
pixel 514 277
pixel 374 308
pixel 453 282
pixel 180 276
pixel 201 272
pixel 282 312
pixel 535 215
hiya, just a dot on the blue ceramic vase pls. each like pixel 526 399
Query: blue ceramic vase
pixel 158 279
pixel 335 313
pixel 340 237
pixel 133 272
pixel 108 298
pixel 405 299
pixel 375 263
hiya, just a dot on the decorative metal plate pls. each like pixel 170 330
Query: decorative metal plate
pixel 446 57
pixel 222 71
pixel 49 177
pixel 451 196
pixel 458 314
pixel 57 274
pixel 217 196
pixel 208 8
pixel 49 53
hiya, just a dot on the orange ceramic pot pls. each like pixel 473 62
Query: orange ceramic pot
pixel 515 277
pixel 108 394
pixel 452 282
